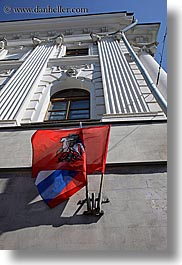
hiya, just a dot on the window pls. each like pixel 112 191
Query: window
pixel 71 104
pixel 76 52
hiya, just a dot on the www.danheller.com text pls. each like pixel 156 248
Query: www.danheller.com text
pixel 48 9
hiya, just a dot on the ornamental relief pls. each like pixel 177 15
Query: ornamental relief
pixel 78 72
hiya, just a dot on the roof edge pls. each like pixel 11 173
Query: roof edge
pixel 84 15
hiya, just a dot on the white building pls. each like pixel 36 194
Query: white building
pixel 96 69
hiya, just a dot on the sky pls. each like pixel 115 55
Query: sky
pixel 145 11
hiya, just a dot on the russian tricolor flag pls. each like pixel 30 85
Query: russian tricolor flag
pixel 56 186
pixel 62 158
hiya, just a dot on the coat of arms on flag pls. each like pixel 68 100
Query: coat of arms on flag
pixel 63 158
pixel 72 148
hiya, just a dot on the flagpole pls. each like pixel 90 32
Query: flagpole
pixel 99 195
pixel 87 196
pixel 86 186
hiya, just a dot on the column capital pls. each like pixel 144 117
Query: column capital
pixel 96 37
pixel 3 43
pixel 58 40
pixel 149 48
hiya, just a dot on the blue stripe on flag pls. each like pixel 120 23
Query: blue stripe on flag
pixel 52 186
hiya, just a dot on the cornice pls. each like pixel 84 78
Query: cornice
pixel 83 16
pixel 78 26
pixel 65 25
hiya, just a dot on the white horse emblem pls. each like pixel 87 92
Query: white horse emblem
pixel 72 148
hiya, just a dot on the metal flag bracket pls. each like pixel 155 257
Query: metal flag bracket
pixel 94 202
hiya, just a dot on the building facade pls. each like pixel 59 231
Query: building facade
pixel 95 69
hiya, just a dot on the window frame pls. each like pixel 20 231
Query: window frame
pixel 76 50
pixel 68 108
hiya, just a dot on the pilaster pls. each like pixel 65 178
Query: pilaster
pixel 121 91
pixel 17 89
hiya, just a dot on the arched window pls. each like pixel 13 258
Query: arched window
pixel 69 104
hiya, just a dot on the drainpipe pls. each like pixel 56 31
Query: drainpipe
pixel 158 96
pixel 132 25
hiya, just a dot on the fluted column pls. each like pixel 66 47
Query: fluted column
pixel 121 91
pixel 19 86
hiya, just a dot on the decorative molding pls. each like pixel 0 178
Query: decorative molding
pixel 6 72
pixel 147 47
pixel 83 72
pixel 17 36
pixel 117 35
pixel 95 37
pixel 98 37
pixel 3 43
pixel 58 40
pixel 72 72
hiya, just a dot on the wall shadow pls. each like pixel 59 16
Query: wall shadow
pixel 19 210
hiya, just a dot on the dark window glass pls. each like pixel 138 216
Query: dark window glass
pixel 77 114
pixel 80 104
pixel 76 52
pixel 59 105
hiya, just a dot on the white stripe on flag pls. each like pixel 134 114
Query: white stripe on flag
pixel 43 175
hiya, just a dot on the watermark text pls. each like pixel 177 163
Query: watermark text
pixel 45 10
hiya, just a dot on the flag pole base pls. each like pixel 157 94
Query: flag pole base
pixel 94 212
pixel 93 205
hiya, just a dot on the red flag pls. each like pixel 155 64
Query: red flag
pixel 96 141
pixel 47 145
pixel 52 149
pixel 59 164
pixel 62 158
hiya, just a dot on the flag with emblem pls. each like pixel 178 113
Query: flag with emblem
pixel 62 158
